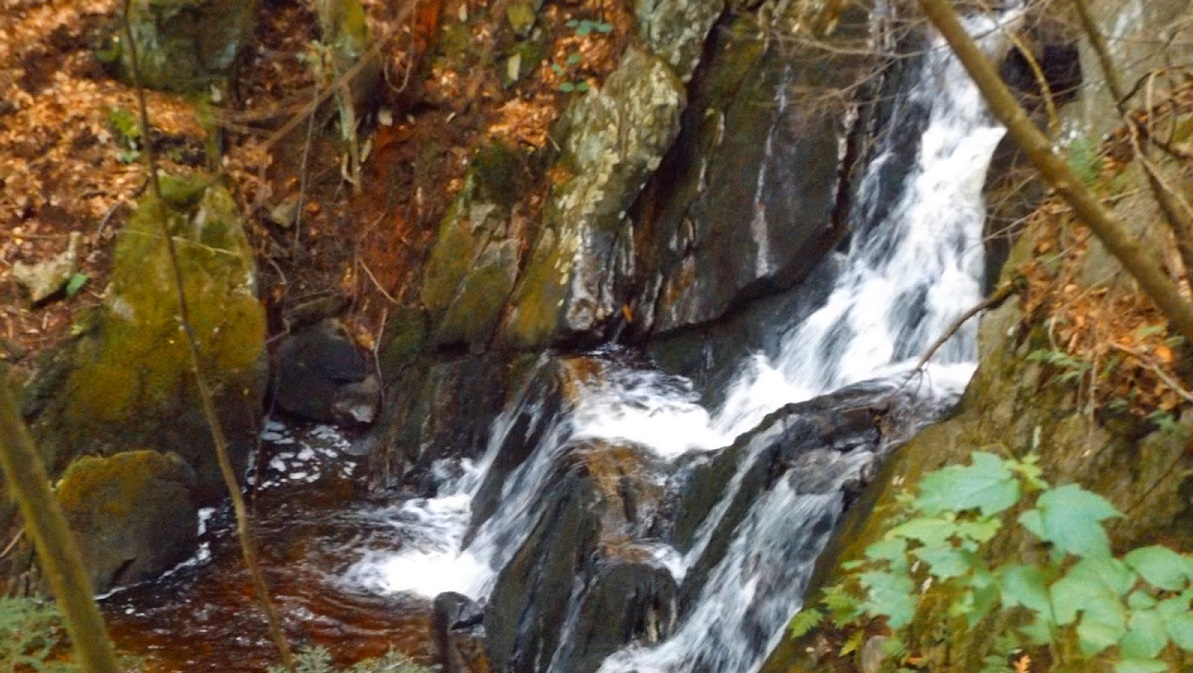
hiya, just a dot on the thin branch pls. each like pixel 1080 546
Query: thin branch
pixel 995 299
pixel 57 554
pixel 244 533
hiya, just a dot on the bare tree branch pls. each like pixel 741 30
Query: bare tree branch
pixel 1117 239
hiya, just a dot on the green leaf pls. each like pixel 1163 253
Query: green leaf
pixel 1160 566
pixel 1088 586
pixel 582 87
pixel 1145 636
pixel 604 28
pixel 890 549
pixel 573 59
pixel 1102 624
pixel 1140 600
pixel 1180 628
pixel 986 484
pixel 889 595
pixel 804 621
pixel 567 87
pixel 1024 585
pixel 931 531
pixel 852 643
pixel 980 530
pixel 1140 666
pixel 945 562
pixel 1036 632
pixel 76 283
pixel 1070 518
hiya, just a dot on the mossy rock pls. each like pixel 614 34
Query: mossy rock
pixel 129 381
pixel 131 514
pixel 183 45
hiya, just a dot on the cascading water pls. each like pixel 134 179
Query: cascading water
pixel 903 283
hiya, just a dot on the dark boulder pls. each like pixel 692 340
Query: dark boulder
pixel 321 375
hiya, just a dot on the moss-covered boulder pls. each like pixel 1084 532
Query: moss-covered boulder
pixel 127 380
pixel 132 514
pixel 474 263
pixel 612 140
pixel 184 45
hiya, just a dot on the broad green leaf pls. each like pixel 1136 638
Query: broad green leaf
pixel 986 484
pixel 1036 632
pixel 852 643
pixel 890 549
pixel 1140 666
pixel 930 531
pixel 1109 573
pixel 1145 636
pixel 1024 585
pixel 945 562
pixel 76 283
pixel 890 595
pixel 1099 630
pixel 1140 600
pixel 1033 521
pixel 1160 566
pixel 1180 629
pixel 981 530
pixel 1070 518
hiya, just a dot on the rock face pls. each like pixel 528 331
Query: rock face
pixel 747 199
pixel 185 45
pixel 127 381
pixel 131 513
pixel 612 140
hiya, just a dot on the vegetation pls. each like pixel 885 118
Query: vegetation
pixel 318 660
pixel 1073 597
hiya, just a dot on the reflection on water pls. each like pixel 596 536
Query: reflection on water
pixel 311 520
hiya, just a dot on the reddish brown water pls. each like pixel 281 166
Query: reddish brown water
pixel 203 617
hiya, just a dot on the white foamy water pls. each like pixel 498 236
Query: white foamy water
pixel 903 284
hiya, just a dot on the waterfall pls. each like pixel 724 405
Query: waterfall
pixel 903 282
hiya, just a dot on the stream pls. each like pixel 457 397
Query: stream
pixel 694 559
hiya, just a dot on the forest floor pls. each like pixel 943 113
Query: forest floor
pixel 72 161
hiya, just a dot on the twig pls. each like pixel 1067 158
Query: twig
pixel 375 283
pixel 15 539
pixel 247 544
pixel 997 297
pixel 1156 369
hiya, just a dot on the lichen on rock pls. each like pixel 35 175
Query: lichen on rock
pixel 611 141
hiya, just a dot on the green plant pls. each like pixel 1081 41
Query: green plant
pixel 582 28
pixel 127 128
pixel 1077 600
pixel 31 633
pixel 318 660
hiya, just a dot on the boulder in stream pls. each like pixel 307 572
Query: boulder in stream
pixel 132 514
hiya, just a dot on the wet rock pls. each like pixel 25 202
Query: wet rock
pixel 132 514
pixel 746 201
pixel 44 279
pixel 184 45
pixel 675 30
pixel 624 602
pixel 530 600
pixel 612 139
pixel 127 380
pixel 459 628
pixel 322 375
pixel 426 420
